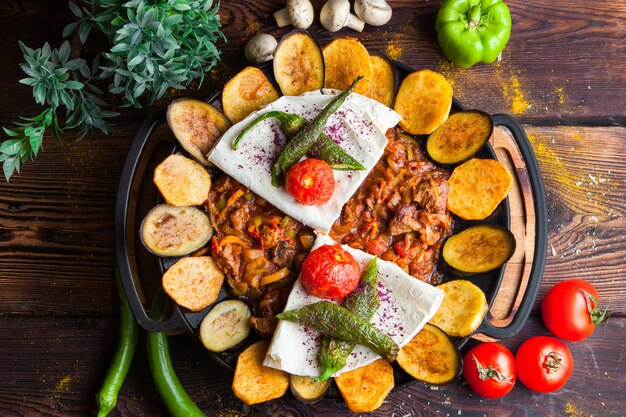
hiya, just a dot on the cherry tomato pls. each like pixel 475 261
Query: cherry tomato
pixel 570 310
pixel 489 369
pixel 544 364
pixel 310 182
pixel 330 272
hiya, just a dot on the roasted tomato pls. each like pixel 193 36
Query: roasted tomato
pixel 330 272
pixel 489 369
pixel 310 182
pixel 570 309
pixel 544 364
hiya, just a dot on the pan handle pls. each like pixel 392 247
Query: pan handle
pixel 541 236
pixel 129 280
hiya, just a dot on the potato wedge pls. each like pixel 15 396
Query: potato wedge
pixel 254 383
pixel 382 87
pixel 298 64
pixel 478 249
pixel 193 282
pixel 424 100
pixel 460 137
pixel 364 389
pixel 182 181
pixel 431 357
pixel 463 308
pixel 246 92
pixel 175 231
pixel 477 187
pixel 197 126
pixel 345 59
pixel 305 389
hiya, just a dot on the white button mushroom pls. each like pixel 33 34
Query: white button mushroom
pixel 373 12
pixel 260 48
pixel 298 13
pixel 336 14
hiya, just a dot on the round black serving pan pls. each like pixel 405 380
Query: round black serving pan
pixel 141 270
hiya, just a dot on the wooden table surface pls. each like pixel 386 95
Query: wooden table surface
pixel 563 75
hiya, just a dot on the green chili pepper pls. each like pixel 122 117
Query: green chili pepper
pixel 336 157
pixel 338 322
pixel 170 389
pixel 306 137
pixel 291 123
pixel 364 302
pixel 472 31
pixel 123 357
pixel 327 149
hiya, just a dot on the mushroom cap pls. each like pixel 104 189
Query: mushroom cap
pixel 301 13
pixel 260 48
pixel 335 14
pixel 373 12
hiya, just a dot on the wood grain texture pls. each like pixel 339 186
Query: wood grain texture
pixel 40 377
pixel 563 64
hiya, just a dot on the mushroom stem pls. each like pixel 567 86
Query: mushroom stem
pixel 355 23
pixel 282 18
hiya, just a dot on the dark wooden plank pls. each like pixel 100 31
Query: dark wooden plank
pixel 53 366
pixel 564 62
pixel 56 219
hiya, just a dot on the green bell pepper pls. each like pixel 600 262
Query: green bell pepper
pixel 472 31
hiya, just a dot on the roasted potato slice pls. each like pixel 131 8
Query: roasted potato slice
pixel 182 181
pixel 298 64
pixel 345 59
pixel 477 187
pixel 254 383
pixel 382 87
pixel 197 126
pixel 460 137
pixel 364 389
pixel 305 389
pixel 175 231
pixel 193 282
pixel 463 308
pixel 478 249
pixel 246 92
pixel 431 357
pixel 423 100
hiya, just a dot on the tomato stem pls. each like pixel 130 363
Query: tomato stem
pixel 553 362
pixel 597 316
pixel 490 373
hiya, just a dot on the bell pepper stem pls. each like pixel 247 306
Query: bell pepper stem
pixel 474 16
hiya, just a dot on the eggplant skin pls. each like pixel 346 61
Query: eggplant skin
pixel 478 249
pixel 431 357
pixel 175 231
pixel 305 389
pixel 298 64
pixel 460 137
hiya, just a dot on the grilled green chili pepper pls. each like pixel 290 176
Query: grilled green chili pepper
pixel 291 123
pixel 364 302
pixel 336 157
pixel 306 137
pixel 170 389
pixel 123 357
pixel 327 149
pixel 338 322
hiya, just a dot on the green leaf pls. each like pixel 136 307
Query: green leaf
pixel 83 32
pixel 11 146
pixel 9 166
pixel 69 29
pixel 64 52
pixel 75 9
pixel 74 85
